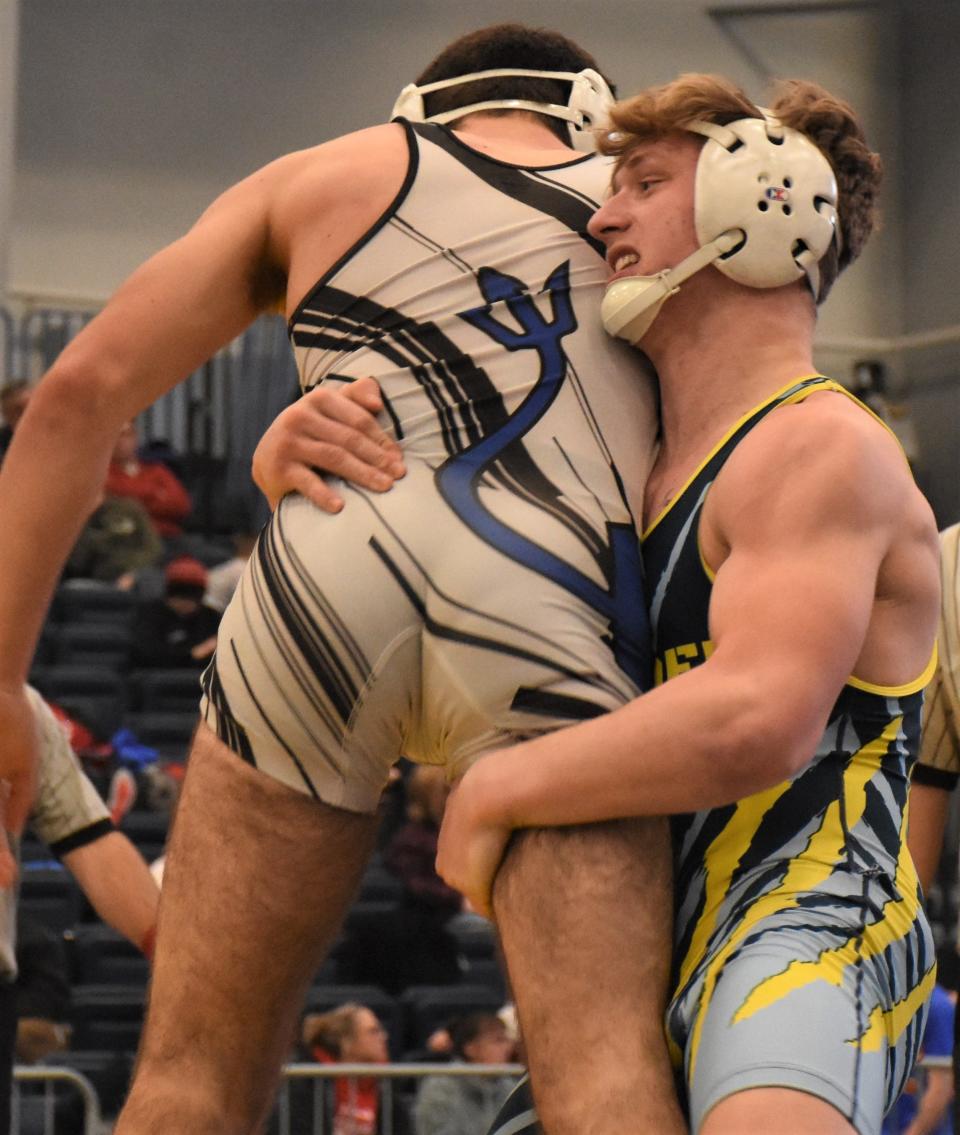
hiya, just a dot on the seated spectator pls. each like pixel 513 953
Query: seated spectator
pixel 178 629
pixel 152 483
pixel 42 991
pixel 222 579
pixel 412 946
pixel 117 541
pixel 14 397
pixel 463 1105
pixel 349 1034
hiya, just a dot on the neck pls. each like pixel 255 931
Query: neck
pixel 720 355
pixel 520 127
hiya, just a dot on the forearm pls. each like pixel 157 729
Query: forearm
pixel 699 741
pixel 929 806
pixel 117 881
pixel 933 1103
pixel 64 440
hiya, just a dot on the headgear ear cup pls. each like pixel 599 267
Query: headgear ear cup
pixel 773 184
pixel 765 211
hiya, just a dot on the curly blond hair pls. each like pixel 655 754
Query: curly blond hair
pixel 829 122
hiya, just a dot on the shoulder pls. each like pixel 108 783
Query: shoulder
pixel 824 451
pixel 340 163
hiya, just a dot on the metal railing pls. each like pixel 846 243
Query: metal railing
pixel 50 1076
pixel 386 1074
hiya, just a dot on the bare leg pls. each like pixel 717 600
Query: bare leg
pixel 586 918
pixel 258 878
pixel 774 1109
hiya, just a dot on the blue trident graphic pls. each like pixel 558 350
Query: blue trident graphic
pixel 459 478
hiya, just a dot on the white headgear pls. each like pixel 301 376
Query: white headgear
pixel 765 210
pixel 586 111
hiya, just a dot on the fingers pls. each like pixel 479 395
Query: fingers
pixel 365 392
pixel 345 417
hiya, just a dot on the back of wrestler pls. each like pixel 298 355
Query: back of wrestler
pixel 503 575
pixel 494 592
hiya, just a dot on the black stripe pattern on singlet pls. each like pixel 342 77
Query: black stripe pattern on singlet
pixel 569 207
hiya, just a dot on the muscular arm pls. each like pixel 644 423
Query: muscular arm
pixel 170 316
pixel 117 881
pixel 751 716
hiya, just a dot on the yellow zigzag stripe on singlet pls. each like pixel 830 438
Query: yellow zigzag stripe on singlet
pixel 720 867
pixel 825 848
pixel 891 1022
pixel 896 920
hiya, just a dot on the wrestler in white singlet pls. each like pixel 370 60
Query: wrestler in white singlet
pixel 496 591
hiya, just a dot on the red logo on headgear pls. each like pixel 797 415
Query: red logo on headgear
pixel 777 193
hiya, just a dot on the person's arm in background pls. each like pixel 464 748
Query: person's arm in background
pixel 72 819
pixel 938 766
pixel 937 1046
pixel 116 879
pixel 933 1103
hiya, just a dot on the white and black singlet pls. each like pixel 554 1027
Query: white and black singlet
pixel 496 591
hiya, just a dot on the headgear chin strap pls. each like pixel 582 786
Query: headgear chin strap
pixel 586 112
pixel 765 210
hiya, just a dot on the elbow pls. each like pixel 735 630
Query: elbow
pixel 82 390
pixel 767 740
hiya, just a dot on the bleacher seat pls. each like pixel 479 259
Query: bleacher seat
pixel 486 972
pixel 165 691
pixel 379 885
pixel 108 1018
pixel 147 831
pixel 169 732
pixel 96 644
pixel 50 895
pixel 427 1008
pixel 101 956
pixel 94 689
pixel 94 605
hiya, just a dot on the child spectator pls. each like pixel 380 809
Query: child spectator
pixel 178 629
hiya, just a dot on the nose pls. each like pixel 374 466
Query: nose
pixel 608 220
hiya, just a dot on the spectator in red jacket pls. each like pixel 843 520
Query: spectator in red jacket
pixel 154 484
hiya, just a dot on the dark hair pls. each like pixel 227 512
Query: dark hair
pixel 506 45
pixel 463 1030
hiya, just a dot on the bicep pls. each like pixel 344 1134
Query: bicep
pixel 794 594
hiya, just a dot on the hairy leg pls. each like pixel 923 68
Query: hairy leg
pixel 586 916
pixel 257 880
pixel 774 1109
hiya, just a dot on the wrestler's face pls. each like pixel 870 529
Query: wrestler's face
pixel 647 221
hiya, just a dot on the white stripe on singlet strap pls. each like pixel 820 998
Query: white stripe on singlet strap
pixel 522 1122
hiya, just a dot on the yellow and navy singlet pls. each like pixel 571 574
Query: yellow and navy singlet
pixel 802 955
